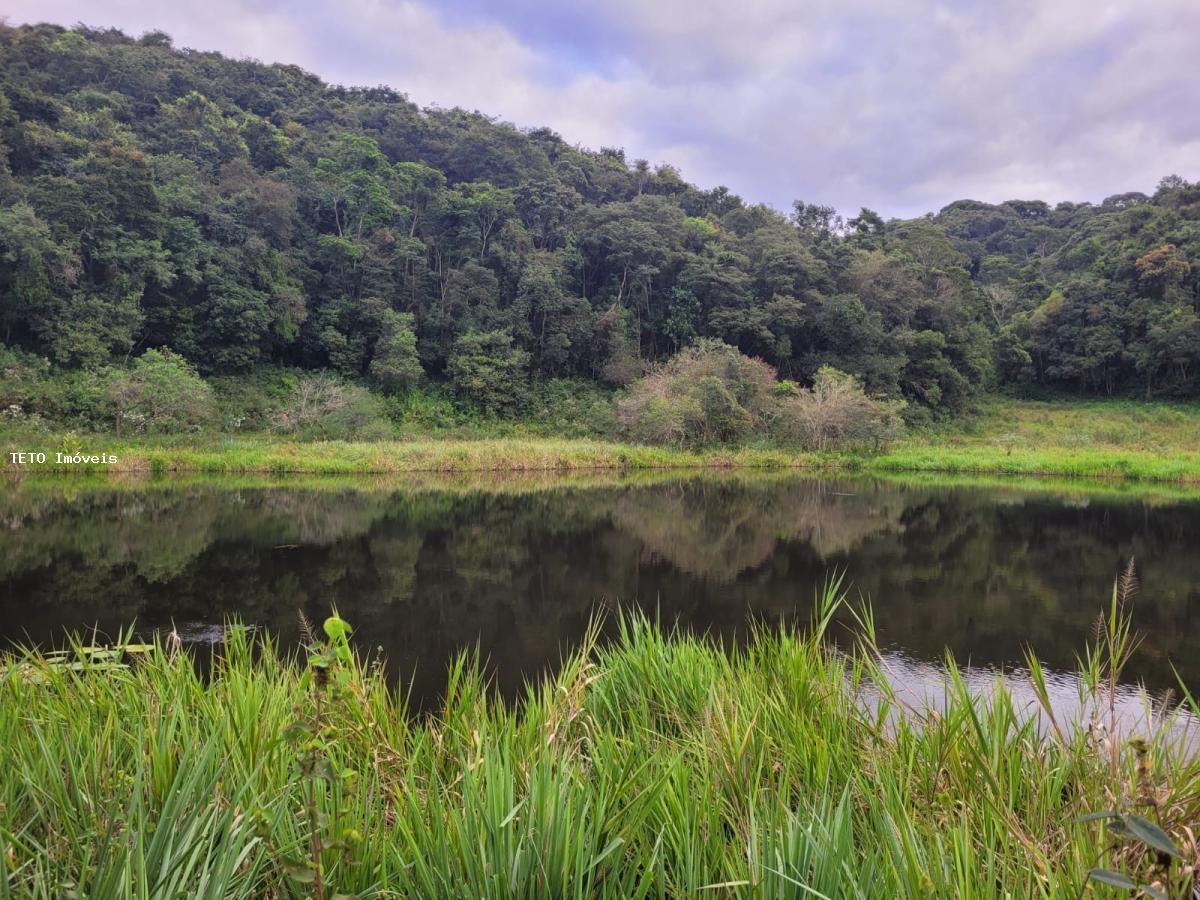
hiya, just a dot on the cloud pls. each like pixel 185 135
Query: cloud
pixel 902 105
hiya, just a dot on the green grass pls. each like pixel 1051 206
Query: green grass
pixel 260 454
pixel 1131 425
pixel 658 765
pixel 549 480
pixel 1115 439
pixel 1155 442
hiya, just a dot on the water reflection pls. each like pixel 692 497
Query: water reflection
pixel 426 570
pixel 919 687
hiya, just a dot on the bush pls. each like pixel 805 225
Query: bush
pixel 161 393
pixel 570 407
pixel 249 400
pixel 22 377
pixel 706 394
pixel 835 414
pixel 32 391
pixel 430 407
pixel 322 405
pixel 710 393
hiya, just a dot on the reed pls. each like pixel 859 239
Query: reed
pixel 655 763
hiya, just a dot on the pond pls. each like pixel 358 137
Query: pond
pixel 428 567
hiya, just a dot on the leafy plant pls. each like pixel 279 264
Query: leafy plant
pixel 1146 836
pixel 312 736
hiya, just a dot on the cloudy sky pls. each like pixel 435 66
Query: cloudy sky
pixel 901 105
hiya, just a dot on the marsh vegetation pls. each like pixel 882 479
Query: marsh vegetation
pixel 656 764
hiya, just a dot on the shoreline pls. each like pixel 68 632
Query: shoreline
pixel 523 455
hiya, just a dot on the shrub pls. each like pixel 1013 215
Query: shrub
pixel 249 400
pixel 570 407
pixel 705 394
pixel 836 413
pixel 161 393
pixel 32 390
pixel 428 408
pixel 322 405
pixel 21 377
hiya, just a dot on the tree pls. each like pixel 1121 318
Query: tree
pixel 488 207
pixel 395 364
pixel 559 324
pixel 682 316
pixel 815 221
pixel 195 127
pixel 487 369
pixel 355 182
pixel 33 268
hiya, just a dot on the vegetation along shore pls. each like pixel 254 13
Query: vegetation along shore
pixel 1099 439
pixel 654 764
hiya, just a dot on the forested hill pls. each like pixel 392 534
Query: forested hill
pixel 243 214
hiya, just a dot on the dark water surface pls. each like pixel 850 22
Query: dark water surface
pixel 426 569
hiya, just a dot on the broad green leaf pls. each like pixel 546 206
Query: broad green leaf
pixel 1150 834
pixel 336 628
pixel 1114 879
pixel 1092 817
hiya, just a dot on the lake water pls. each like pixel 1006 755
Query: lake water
pixel 426 568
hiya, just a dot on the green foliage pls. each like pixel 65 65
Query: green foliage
pixel 487 369
pixel 654 764
pixel 836 414
pixel 710 394
pixel 161 393
pixel 244 239
pixel 249 400
pixel 707 393
pixel 394 361
pixel 314 737
pixel 153 199
pixel 324 406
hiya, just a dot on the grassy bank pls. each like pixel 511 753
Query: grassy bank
pixel 658 766
pixel 531 481
pixel 1060 462
pixel 262 455
pixel 242 456
pixel 1098 439
pixel 1114 440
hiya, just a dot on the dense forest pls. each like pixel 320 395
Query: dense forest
pixel 248 216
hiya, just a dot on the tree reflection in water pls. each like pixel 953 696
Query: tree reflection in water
pixel 426 570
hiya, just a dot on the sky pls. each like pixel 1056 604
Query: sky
pixel 899 105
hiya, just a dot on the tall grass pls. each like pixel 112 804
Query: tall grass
pixel 240 456
pixel 657 764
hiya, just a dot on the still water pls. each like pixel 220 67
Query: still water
pixel 424 569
